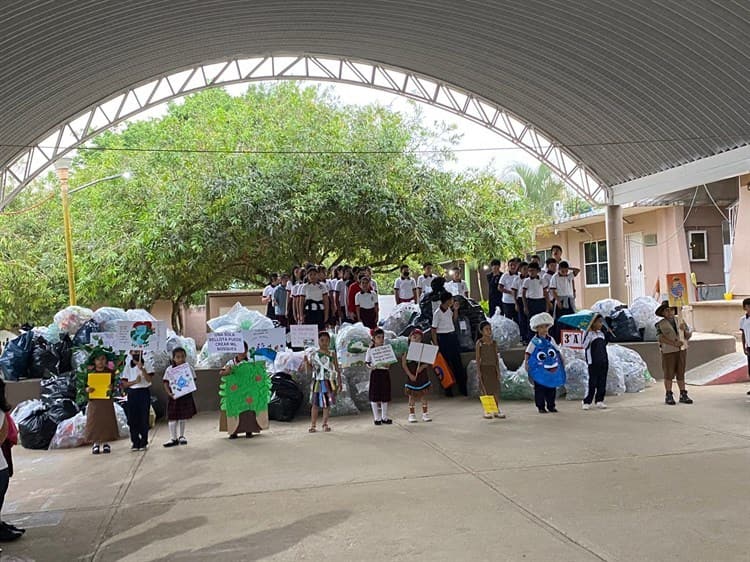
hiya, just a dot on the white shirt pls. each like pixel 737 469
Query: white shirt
pixel 425 283
pixel 518 285
pixel 442 322
pixel 268 291
pixel 341 290
pixel 405 288
pixel 3 462
pixel 131 373
pixel 374 284
pixel 591 335
pixel 457 288
pixel 366 300
pixel 289 286
pixel 563 284
pixel 547 277
pixel 297 289
pixel 745 327
pixel 534 287
pixel 314 291
pixel 507 281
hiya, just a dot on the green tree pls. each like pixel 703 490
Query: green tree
pixel 539 185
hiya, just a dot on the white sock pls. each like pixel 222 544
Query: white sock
pixel 182 428
pixel 375 411
pixel 173 429
pixel 384 406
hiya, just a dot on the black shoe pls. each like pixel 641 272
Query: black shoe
pixel 748 392
pixel 553 410
pixel 8 535
pixel 543 411
pixel 684 398
pixel 669 399
pixel 95 450
pixel 387 422
pixel 182 441
pixel 171 443
pixel 12 527
pixel 378 422
pixel 106 449
pixel 248 435
pixel 233 436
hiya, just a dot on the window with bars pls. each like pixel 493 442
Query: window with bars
pixel 596 268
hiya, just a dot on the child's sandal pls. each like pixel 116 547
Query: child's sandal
pixel 312 430
pixel 326 428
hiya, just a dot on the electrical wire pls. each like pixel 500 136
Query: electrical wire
pixel 711 197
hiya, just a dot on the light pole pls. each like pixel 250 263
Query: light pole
pixel 62 167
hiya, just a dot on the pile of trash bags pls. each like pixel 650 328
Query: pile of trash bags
pixel 606 306
pixel 35 427
pixel 400 317
pixel 286 398
pixel 237 319
pixel 515 385
pixel 471 312
pixel 643 309
pixel 352 342
pixel 629 369
pixel 505 331
pixel 71 432
pixel 577 380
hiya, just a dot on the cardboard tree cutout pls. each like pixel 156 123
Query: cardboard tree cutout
pixel 247 388
pixel 115 364
pixel 545 364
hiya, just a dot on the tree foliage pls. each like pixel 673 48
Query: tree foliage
pixel 227 188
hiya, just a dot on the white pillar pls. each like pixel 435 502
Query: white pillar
pixel 616 254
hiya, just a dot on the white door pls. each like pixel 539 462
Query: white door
pixel 636 277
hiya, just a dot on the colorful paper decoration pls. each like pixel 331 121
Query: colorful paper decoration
pixel 545 364
pixel 246 388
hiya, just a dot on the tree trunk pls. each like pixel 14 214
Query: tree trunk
pixel 177 315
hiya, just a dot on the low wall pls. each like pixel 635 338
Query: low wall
pixel 717 317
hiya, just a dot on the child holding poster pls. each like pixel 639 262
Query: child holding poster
pixel 240 358
pixel 101 422
pixel 380 381
pixel 488 366
pixel 178 409
pixel 326 380
pixel 418 385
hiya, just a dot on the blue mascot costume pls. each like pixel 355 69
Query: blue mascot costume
pixel 544 364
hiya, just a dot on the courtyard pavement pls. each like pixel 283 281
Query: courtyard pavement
pixel 638 482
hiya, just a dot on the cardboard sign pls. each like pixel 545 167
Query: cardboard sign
pixel 422 353
pixel 489 405
pixel 146 335
pixel 382 355
pixel 678 290
pixel 273 339
pixel 181 380
pixel 225 342
pixel 100 382
pixel 105 339
pixel 572 339
pixel 304 335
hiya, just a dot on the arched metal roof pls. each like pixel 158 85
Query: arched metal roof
pixel 630 88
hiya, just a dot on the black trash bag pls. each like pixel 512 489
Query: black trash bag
pixel 14 362
pixel 623 325
pixel 58 388
pixel 421 322
pixel 472 310
pixel 463 331
pixel 62 410
pixel 36 429
pixel 286 398
pixel 158 407
pixel 83 335
pixel 64 352
pixel 43 360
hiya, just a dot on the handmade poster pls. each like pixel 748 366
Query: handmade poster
pixel 572 339
pixel 443 371
pixel 181 380
pixel 104 339
pixel 100 382
pixel 383 355
pixel 545 364
pixel 678 290
pixel 266 343
pixel 247 387
pixel 225 342
pixel 304 335
pixel 146 335
pixel 422 353
pixel 488 404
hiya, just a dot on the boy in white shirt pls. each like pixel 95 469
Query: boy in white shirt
pixel 424 281
pixel 534 293
pixel 315 295
pixel 563 289
pixel 445 337
pixel 458 285
pixel 507 281
pixel 405 288
pixel 366 302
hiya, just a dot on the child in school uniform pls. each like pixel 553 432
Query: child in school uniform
pixel 544 364
pixel 563 290
pixel 137 375
pixel 595 348
pixel 424 281
pixel 101 422
pixel 507 281
pixel 523 319
pixel 178 409
pixel 745 331
pixel 488 366
pixel 366 302
pixel 533 294
pixel 444 336
pixel 405 287
pixel 380 382
pixel 315 295
pixel 418 385
pixel 326 381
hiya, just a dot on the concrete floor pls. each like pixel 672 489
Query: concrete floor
pixel 638 482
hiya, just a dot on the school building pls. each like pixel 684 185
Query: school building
pixel 701 232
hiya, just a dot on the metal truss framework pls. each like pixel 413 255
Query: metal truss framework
pixel 77 131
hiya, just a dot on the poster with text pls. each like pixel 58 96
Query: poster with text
pixel 181 380
pixel 105 339
pixel 382 355
pixel 273 339
pixel 225 342
pixel 146 335
pixel 304 335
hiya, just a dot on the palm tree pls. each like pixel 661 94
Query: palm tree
pixel 540 186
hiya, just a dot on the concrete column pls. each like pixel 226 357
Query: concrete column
pixel 616 254
pixel 739 281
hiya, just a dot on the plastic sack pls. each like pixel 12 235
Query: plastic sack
pixel 61 410
pixel 14 362
pixel 505 332
pixel 615 375
pixel 400 317
pixel 188 344
pixel 473 311
pixel 43 362
pixel 623 326
pixel 70 319
pixel 159 409
pixel 344 405
pixel 400 345
pixel 83 335
pixel 606 306
pixel 577 382
pixel 208 360
pixel 63 350
pixel 643 309
pixel 359 386
pixel 70 433
pixel 242 317
pixel 472 379
pixel 288 362
pixel 630 365
pixel 286 398
pixel 36 429
pixel 352 342
pixel 160 360
pixel 464 333
pixel 25 408
pixel 139 315
pixel 107 318
pixel 122 421
pixel 515 385
pixel 570 354
pixel 58 388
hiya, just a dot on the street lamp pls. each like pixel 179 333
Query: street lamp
pixel 62 168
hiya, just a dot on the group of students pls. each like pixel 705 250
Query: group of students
pixel 524 290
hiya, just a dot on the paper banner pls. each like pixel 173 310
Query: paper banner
pixel 145 335
pixel 422 353
pixel 304 335
pixel 181 380
pixel 572 339
pixel 489 404
pixel 100 382
pixel 273 339
pixel 105 339
pixel 225 342
pixel 382 355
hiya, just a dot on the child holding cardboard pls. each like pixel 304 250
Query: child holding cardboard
pixel 488 367
pixel 380 381
pixel 418 385
pixel 178 409
pixel 326 381
pixel 101 422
